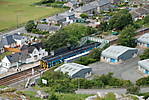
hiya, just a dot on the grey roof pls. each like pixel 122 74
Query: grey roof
pixel 142 11
pixel 18 37
pixel 20 56
pixel 7 40
pixel 116 51
pixel 45 27
pixel 61 16
pixel 144 38
pixel 134 14
pixel 92 5
pixel 71 68
pixel 144 64
pixel 146 7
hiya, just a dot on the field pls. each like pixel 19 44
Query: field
pixel 13 11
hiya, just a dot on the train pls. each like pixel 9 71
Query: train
pixel 50 61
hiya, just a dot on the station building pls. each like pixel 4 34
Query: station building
pixel 118 54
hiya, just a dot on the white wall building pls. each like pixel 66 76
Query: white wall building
pixel 75 70
pixel 143 41
pixel 143 66
pixel 118 54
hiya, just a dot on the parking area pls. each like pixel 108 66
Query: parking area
pixel 126 70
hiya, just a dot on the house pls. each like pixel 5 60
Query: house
pixel 144 66
pixel 94 7
pixel 75 70
pixel 62 18
pixel 28 54
pixel 20 40
pixel 140 13
pixel 48 28
pixel 117 54
pixel 71 4
pixel 14 60
pixel 8 41
pixel 143 41
pixel 35 51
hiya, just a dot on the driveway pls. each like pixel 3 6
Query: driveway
pixel 126 70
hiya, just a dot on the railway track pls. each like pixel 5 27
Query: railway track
pixel 7 80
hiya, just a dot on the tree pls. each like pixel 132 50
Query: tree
pixel 126 37
pixel 143 81
pixel 69 35
pixel 84 15
pixel 145 55
pixel 30 25
pixel 120 20
pixel 134 89
pixel 53 97
pixel 104 26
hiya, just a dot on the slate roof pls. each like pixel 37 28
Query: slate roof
pixel 30 48
pixel 45 27
pixel 144 64
pixel 71 68
pixel 7 40
pixel 61 16
pixel 18 37
pixel 144 38
pixel 17 56
pixel 92 5
pixel 142 11
pixel 134 14
pixel 116 51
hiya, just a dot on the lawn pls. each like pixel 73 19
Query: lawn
pixel 4 54
pixel 13 11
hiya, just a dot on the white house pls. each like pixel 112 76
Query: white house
pixel 14 60
pixel 117 54
pixel 8 41
pixel 143 66
pixel 143 41
pixel 20 40
pixel 28 54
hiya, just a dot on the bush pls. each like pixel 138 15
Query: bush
pixel 134 89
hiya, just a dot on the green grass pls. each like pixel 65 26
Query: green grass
pixel 23 10
pixel 2 87
pixel 4 54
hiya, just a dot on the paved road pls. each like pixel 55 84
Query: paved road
pixel 21 30
pixel 127 70
pixel 117 90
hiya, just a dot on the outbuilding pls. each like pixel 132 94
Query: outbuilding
pixel 117 54
pixel 143 41
pixel 144 66
pixel 75 70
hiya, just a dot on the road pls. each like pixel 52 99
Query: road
pixel 126 70
pixel 21 30
pixel 116 90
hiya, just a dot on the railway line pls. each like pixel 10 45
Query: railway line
pixel 13 78
pixel 7 80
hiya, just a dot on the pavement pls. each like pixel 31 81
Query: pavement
pixel 21 30
pixel 115 90
pixel 126 70
pixel 22 67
